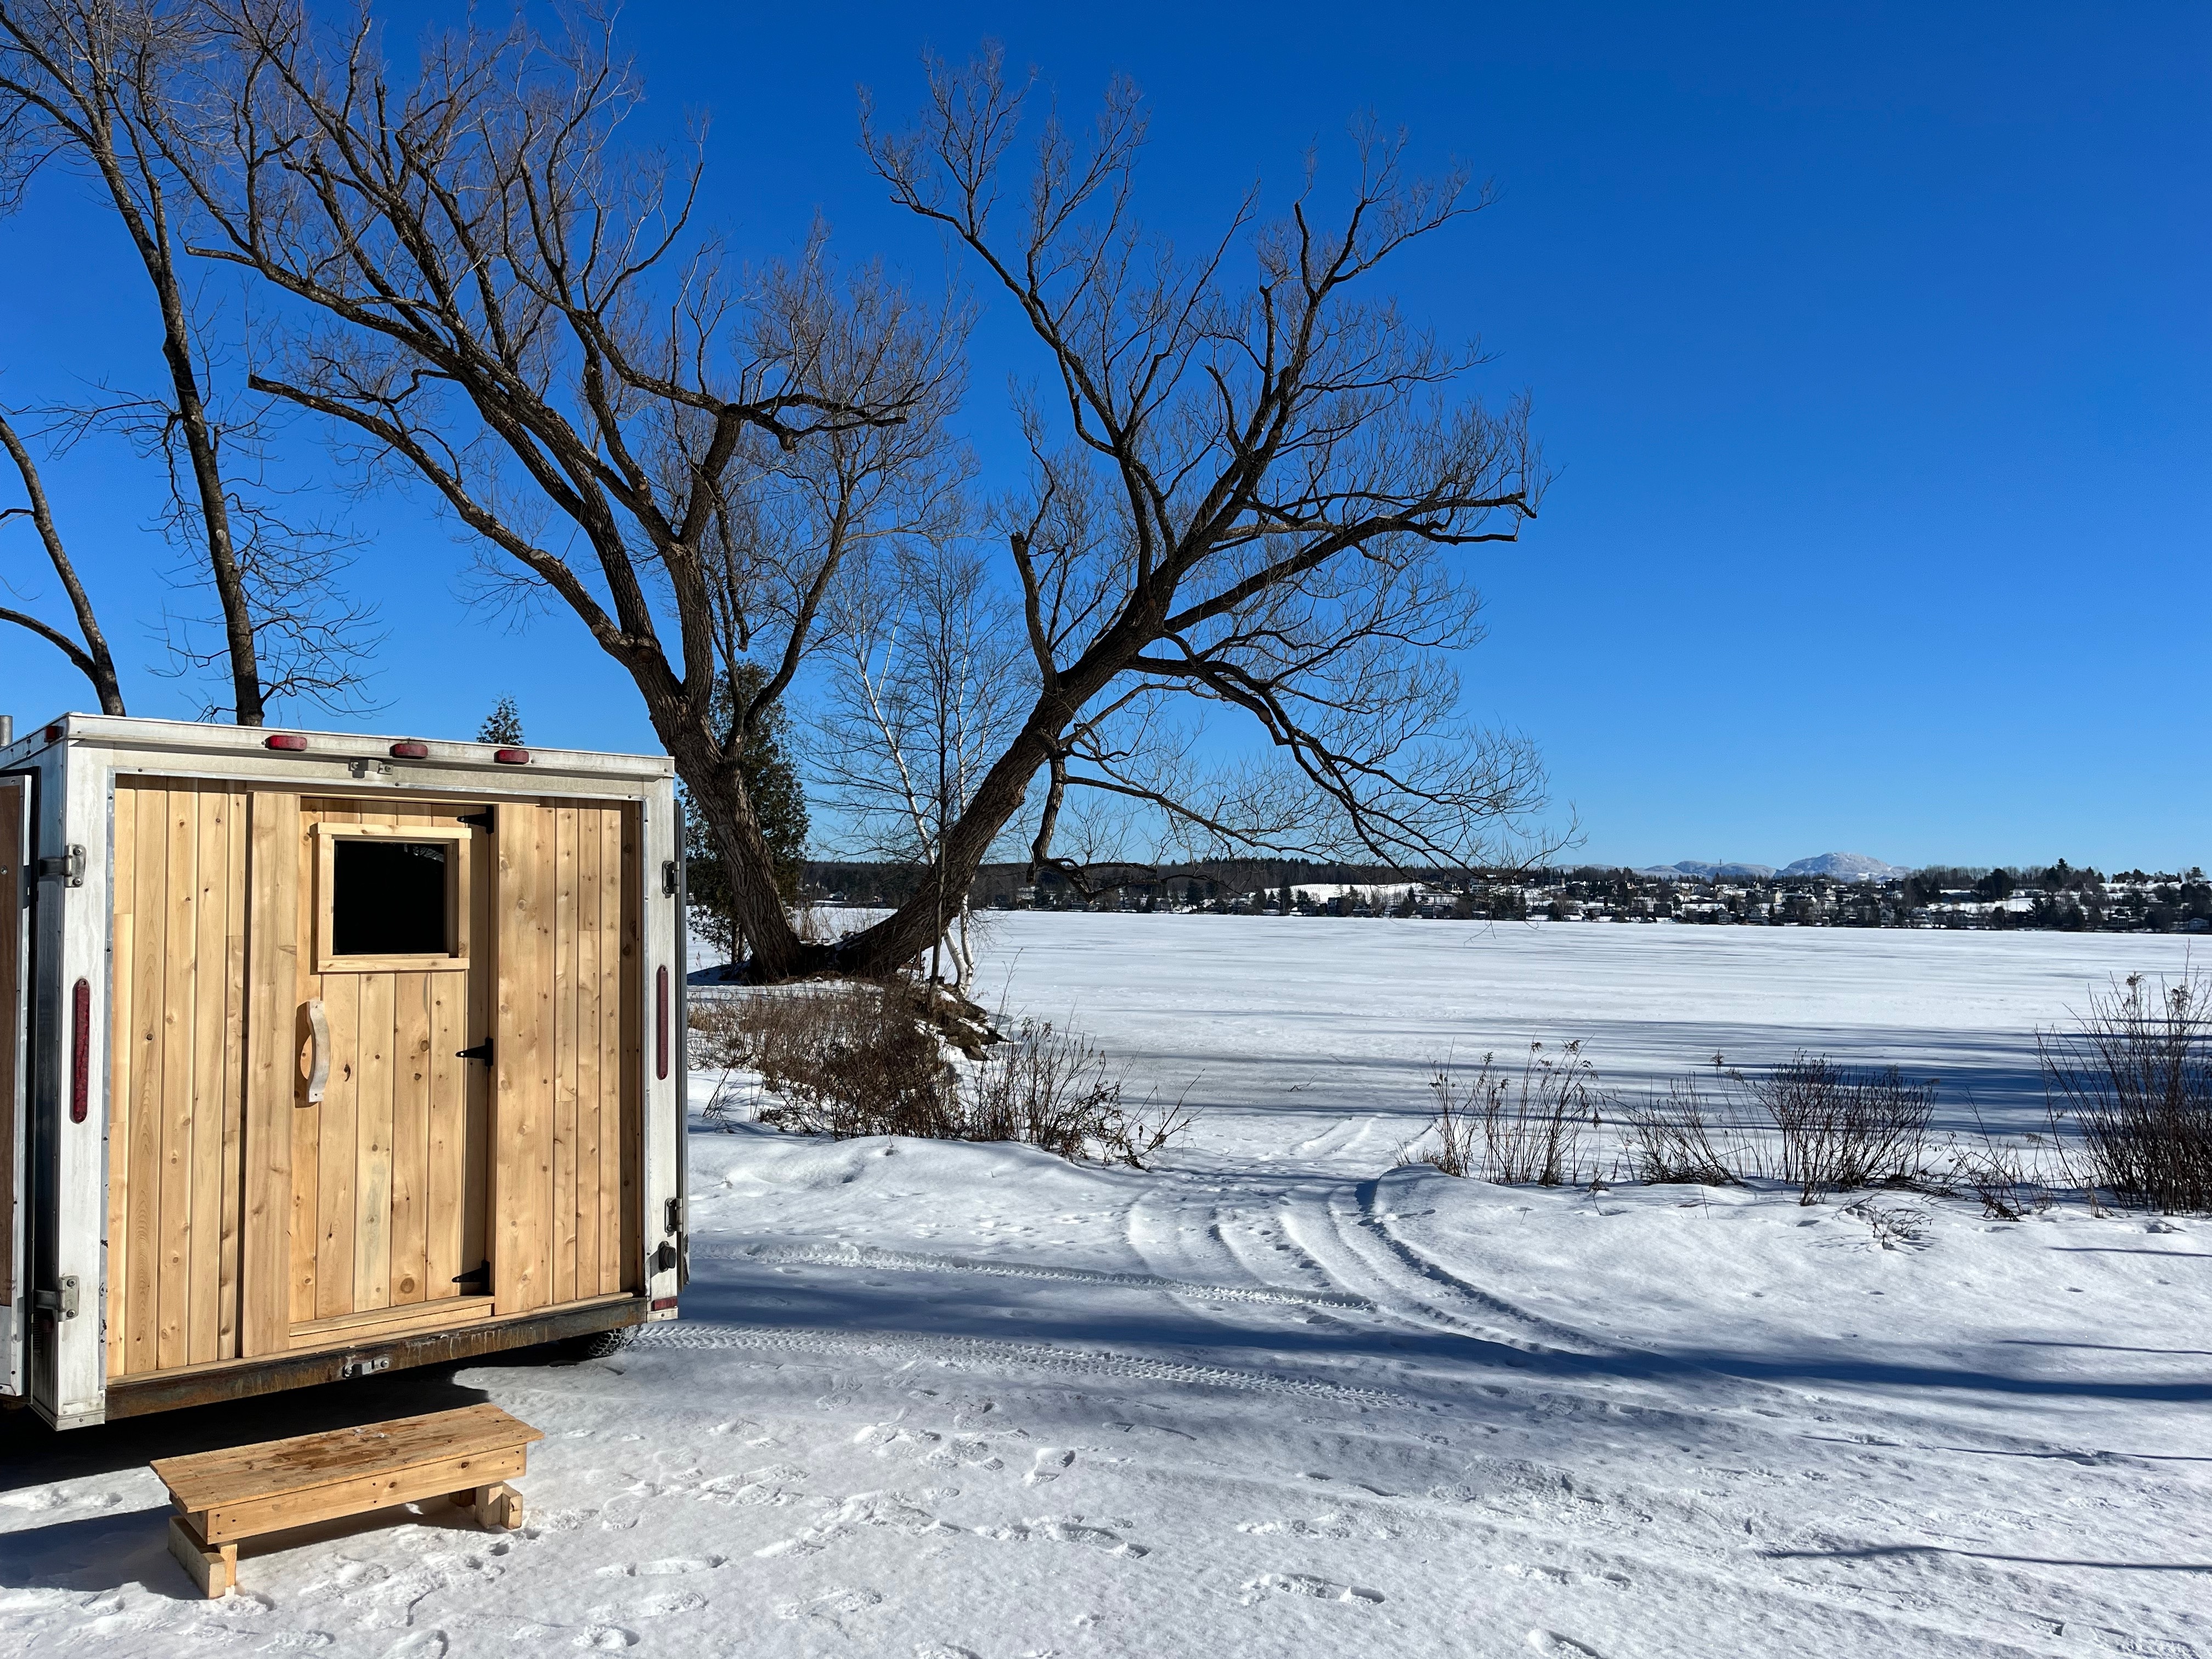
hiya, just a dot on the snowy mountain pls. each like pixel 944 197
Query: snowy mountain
pixel 1707 870
pixel 1844 866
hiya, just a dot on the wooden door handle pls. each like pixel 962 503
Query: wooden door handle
pixel 319 1066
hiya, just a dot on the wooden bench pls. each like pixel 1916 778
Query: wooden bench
pixel 222 1497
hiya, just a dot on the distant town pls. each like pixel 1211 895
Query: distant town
pixel 1834 890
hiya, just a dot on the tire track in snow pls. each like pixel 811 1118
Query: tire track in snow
pixel 869 1257
pixel 697 1335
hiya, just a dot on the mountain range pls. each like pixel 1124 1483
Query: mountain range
pixel 1836 866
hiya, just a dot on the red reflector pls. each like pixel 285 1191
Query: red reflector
pixel 660 1023
pixel 284 740
pixel 53 734
pixel 81 1051
pixel 411 752
pixel 511 756
pixel 663 1303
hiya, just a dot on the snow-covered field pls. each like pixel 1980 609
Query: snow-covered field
pixel 1283 1397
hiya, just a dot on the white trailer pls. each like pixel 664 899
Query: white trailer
pixel 327 1055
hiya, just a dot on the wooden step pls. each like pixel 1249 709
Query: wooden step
pixel 222 1497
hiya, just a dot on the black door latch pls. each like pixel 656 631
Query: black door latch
pixel 481 1051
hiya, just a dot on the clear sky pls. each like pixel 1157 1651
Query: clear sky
pixel 1870 344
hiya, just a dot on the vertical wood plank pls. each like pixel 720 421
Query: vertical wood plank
pixel 337 1160
pixel 306 1121
pixel 633 1052
pixel 446 1127
pixel 210 1091
pixel 142 1245
pixel 233 1072
pixel 123 1050
pixel 521 1125
pixel 589 1116
pixel 614 1273
pixel 410 1135
pixel 181 976
pixel 479 1018
pixel 372 1126
pixel 562 1243
pixel 272 1069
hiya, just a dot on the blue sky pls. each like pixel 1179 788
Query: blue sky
pixel 1870 345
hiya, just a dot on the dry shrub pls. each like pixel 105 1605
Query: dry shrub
pixel 852 1058
pixel 1674 1140
pixel 1838 1129
pixel 1056 1089
pixel 2134 1078
pixel 1518 1131
pixel 1841 1129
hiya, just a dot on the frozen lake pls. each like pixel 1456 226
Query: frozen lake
pixel 1317 1017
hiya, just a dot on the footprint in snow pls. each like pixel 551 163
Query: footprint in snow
pixel 1046 1464
pixel 1552 1645
pixel 1304 1584
pixel 423 1644
pixel 662 1607
pixel 607 1639
pixel 663 1569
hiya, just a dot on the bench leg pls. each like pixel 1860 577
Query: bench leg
pixel 213 1568
pixel 498 1506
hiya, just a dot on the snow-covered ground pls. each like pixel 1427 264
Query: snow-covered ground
pixel 1285 1397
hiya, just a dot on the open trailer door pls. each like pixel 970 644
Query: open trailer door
pixel 14 1056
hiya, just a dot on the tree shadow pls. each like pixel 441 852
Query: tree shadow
pixel 1876 1551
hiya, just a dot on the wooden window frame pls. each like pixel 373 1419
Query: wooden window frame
pixel 328 961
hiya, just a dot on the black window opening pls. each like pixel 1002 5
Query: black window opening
pixel 388 897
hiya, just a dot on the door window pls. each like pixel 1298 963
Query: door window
pixel 391 899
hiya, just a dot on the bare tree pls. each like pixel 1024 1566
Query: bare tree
pixel 1244 491
pixel 1245 495
pixel 91 657
pixel 90 84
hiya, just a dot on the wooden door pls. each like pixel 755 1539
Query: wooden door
pixel 388 1157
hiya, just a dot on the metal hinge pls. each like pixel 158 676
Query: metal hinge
pixel 481 1051
pixel 668 878
pixel 477 820
pixel 675 1216
pixel 62 1302
pixel 68 867
pixel 479 1274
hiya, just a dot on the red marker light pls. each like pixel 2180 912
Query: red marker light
pixel 81 1054
pixel 411 752
pixel 511 756
pixel 660 1023
pixel 284 740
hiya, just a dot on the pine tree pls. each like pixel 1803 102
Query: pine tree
pixel 503 725
pixel 779 802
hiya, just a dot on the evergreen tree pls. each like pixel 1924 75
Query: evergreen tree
pixel 779 803
pixel 503 725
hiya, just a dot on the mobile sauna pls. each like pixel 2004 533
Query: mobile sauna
pixel 327 1055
